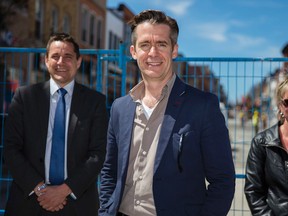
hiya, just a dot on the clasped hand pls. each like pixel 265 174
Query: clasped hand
pixel 53 198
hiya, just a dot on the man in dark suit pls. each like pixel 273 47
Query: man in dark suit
pixel 29 140
pixel 165 138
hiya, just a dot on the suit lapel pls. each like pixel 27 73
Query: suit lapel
pixel 43 107
pixel 73 118
pixel 128 112
pixel 174 104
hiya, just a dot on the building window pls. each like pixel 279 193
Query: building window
pixel 110 40
pixel 38 18
pixel 99 33
pixel 54 16
pixel 84 25
pixel 92 30
pixel 114 41
pixel 66 24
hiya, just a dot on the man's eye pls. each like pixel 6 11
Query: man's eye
pixel 144 45
pixel 162 44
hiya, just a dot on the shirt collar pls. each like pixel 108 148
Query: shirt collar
pixel 54 87
pixel 137 92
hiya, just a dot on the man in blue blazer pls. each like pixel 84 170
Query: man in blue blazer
pixel 29 134
pixel 166 139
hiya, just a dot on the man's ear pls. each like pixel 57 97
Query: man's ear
pixel 175 51
pixel 79 60
pixel 46 61
pixel 133 52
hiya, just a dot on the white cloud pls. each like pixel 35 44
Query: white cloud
pixel 237 23
pixel 220 32
pixel 246 41
pixel 212 31
pixel 179 8
pixel 270 4
pixel 273 51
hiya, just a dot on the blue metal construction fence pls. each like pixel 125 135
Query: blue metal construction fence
pixel 243 85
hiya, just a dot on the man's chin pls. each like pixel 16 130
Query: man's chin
pixel 60 79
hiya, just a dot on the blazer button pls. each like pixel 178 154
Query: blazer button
pixel 41 160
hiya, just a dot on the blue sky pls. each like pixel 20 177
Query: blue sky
pixel 223 28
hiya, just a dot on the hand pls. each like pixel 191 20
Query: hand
pixel 38 188
pixel 53 198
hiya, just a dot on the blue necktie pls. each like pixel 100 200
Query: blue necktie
pixel 56 174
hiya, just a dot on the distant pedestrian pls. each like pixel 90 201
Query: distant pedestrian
pixel 264 119
pixel 242 118
pixel 255 121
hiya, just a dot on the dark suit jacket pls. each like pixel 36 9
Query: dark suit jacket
pixel 205 153
pixel 25 143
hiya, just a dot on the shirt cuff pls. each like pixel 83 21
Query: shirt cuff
pixel 31 193
pixel 72 195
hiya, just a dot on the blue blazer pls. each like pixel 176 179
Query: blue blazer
pixel 193 146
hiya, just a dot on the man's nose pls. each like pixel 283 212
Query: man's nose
pixel 60 60
pixel 153 50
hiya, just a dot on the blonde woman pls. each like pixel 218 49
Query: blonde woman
pixel 266 187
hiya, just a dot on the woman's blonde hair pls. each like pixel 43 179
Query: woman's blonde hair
pixel 280 91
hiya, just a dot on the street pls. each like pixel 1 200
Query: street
pixel 240 137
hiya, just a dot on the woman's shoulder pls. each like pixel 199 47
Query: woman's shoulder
pixel 268 136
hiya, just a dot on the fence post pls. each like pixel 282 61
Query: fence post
pixel 122 65
pixel 99 73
